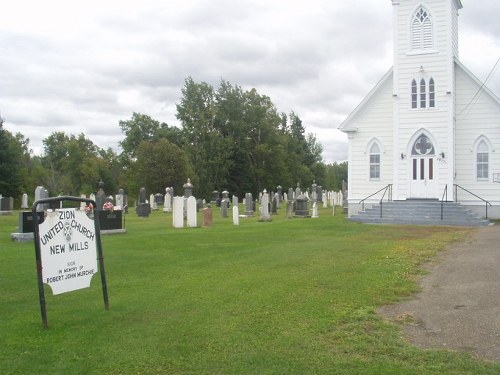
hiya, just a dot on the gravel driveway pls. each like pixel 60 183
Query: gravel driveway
pixel 459 305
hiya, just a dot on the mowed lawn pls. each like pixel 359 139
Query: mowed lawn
pixel 291 296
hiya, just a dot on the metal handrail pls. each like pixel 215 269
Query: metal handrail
pixel 385 190
pixel 477 196
pixel 445 194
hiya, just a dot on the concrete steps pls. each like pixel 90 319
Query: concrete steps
pixel 419 212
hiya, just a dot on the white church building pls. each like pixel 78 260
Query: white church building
pixel 429 129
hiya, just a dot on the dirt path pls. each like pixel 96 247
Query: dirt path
pixel 459 306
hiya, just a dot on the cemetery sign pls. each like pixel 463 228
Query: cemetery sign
pixel 67 248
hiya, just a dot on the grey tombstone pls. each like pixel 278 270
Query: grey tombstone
pixel 279 189
pixel 291 194
pixel 41 193
pixel 236 215
pixel 314 192
pixel 167 203
pixel 224 207
pixel 297 191
pixel 208 218
pixel 289 210
pixel 178 212
pixel 159 199
pixel 249 210
pixel 188 188
pixel 319 193
pixel 215 198
pixel 7 204
pixel 24 201
pixel 100 196
pixel 274 204
pixel 192 216
pixel 142 195
pixel 301 208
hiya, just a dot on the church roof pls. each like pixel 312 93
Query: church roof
pixel 345 125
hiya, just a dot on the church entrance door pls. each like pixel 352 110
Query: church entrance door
pixel 422 169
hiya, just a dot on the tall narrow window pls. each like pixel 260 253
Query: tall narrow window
pixel 421 31
pixel 414 94
pixel 375 162
pixel 423 95
pixel 432 94
pixel 482 161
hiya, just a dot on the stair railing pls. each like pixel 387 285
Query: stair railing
pixel 444 198
pixel 387 190
pixel 486 203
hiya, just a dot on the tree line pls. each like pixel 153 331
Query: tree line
pixel 228 139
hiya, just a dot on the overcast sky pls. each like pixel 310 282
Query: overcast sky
pixel 84 66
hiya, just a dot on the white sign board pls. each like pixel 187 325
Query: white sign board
pixel 68 250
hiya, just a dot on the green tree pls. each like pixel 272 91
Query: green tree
pixel 12 152
pixel 160 164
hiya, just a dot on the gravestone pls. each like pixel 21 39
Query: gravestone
pixel 100 197
pixel 249 209
pixel 24 201
pixel 236 215
pixel 289 210
pixel 314 192
pixel 274 204
pixel 319 193
pixel 301 209
pixel 224 207
pixel 143 209
pixel 178 212
pixel 192 216
pixel 315 210
pixel 159 199
pixel 119 198
pixel 208 218
pixel 7 204
pixel 152 202
pixel 291 194
pixel 264 215
pixel 235 200
pixel 142 195
pixel 297 191
pixel 215 198
pixel 188 188
pixel 41 193
pixel 167 203
pixel 26 222
pixel 279 190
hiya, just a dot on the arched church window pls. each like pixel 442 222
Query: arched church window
pixel 432 94
pixel 422 146
pixel 423 95
pixel 375 162
pixel 414 94
pixel 421 30
pixel 482 161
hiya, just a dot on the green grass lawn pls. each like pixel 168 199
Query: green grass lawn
pixel 285 297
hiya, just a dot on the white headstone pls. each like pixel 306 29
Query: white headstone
pixel 236 215
pixel 264 214
pixel 178 212
pixel 325 200
pixel 152 202
pixel 119 201
pixel 191 213
pixel 167 203
pixel 24 201
pixel 83 204
pixel 315 210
